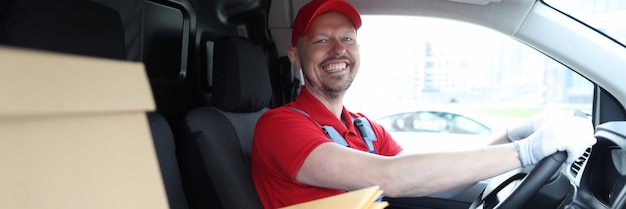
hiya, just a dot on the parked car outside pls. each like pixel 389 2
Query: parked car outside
pixel 433 130
pixel 425 128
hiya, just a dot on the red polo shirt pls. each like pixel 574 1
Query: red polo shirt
pixel 284 138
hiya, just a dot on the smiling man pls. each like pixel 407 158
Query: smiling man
pixel 314 147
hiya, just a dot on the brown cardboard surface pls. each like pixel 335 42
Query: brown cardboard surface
pixel 37 82
pixel 74 134
pixel 358 199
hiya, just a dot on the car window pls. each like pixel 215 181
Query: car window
pixel 463 125
pixel 412 64
pixel 607 16
pixel 429 122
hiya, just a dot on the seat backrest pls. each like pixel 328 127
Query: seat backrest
pixel 68 26
pixel 168 163
pixel 217 139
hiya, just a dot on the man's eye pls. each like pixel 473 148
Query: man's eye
pixel 347 39
pixel 321 41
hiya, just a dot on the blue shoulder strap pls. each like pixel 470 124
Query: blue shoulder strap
pixel 366 131
pixel 328 130
pixel 364 127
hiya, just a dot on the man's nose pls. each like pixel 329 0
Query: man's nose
pixel 339 48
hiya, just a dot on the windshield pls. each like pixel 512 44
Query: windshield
pixel 455 69
pixel 607 16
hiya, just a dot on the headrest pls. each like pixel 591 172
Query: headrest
pixel 69 26
pixel 241 80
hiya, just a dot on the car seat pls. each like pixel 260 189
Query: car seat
pixel 168 163
pixel 216 140
pixel 67 26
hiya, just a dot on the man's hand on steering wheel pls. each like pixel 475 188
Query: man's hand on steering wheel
pixel 570 134
pixel 544 141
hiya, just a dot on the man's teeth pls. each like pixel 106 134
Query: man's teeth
pixel 335 67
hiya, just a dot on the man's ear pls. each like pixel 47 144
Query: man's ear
pixel 294 58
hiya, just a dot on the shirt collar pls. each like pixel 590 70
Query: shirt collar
pixel 320 113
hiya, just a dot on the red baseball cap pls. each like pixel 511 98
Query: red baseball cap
pixel 317 7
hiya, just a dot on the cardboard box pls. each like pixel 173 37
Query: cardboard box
pixel 358 199
pixel 74 133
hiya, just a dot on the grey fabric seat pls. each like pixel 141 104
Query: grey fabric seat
pixel 168 163
pixel 217 139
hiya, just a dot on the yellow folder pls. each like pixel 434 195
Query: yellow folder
pixel 358 199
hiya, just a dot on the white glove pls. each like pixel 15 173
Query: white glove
pixel 572 135
pixel 533 124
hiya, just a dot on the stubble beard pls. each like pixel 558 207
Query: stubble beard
pixel 335 86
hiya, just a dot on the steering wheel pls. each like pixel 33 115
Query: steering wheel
pixel 530 184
